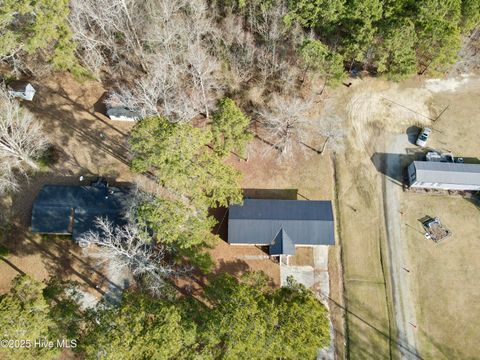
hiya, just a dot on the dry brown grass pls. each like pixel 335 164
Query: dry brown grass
pixel 446 288
pixel 444 300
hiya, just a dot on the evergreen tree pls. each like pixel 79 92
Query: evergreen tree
pixel 184 230
pixel 438 33
pixel 27 26
pixel 138 328
pixel 396 51
pixel 358 28
pixel 470 14
pixel 319 60
pixel 230 128
pixel 25 316
pixel 249 320
pixel 314 13
pixel 302 322
pixel 234 319
pixel 181 159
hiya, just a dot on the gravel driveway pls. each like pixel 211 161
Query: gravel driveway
pixel 402 299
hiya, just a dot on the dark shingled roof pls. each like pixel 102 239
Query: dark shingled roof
pixel 18 85
pixel 72 210
pixel 123 111
pixel 282 224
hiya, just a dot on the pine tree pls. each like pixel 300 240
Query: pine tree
pixel 230 128
pixel 138 328
pixel 25 316
pixel 27 26
pixel 180 157
pixel 318 59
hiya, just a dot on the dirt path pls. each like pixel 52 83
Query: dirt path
pixel 402 298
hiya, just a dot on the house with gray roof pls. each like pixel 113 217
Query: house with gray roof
pixel 72 210
pixel 281 224
pixel 444 175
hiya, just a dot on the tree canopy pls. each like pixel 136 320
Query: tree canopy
pixel 25 315
pixel 230 128
pixel 184 230
pixel 138 328
pixel 319 59
pixel 397 37
pixel 247 319
pixel 234 320
pixel 27 26
pixel 180 157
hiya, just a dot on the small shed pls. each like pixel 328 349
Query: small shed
pixel 444 175
pixel 122 113
pixel 281 224
pixel 21 89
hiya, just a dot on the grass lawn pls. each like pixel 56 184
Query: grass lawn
pixel 445 276
pixel 362 237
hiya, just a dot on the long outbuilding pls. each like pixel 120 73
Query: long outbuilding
pixel 281 224
pixel 444 175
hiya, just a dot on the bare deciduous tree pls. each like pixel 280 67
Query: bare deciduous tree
pixel 286 122
pixel 333 129
pixel 243 50
pixel 22 141
pixel 203 70
pixel 182 75
pixel 108 30
pixel 125 248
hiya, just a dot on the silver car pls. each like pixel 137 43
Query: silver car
pixel 423 137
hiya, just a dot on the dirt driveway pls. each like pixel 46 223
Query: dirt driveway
pixel 403 304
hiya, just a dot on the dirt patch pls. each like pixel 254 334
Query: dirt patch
pixel 375 103
pixel 303 257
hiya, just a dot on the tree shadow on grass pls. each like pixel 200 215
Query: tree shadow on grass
pixel 377 327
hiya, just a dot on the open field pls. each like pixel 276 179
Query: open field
pixel 362 236
pixel 445 276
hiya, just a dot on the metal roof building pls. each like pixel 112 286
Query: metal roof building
pixel 281 224
pixel 122 113
pixel 444 175
pixel 72 210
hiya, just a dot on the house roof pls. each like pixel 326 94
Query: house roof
pixel 447 173
pixel 20 86
pixel 122 111
pixel 282 244
pixel 72 210
pixel 281 224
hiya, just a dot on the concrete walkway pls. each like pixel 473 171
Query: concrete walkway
pixel 316 278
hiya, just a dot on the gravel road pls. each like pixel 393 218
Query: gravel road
pixel 402 298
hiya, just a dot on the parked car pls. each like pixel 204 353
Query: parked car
pixel 423 137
